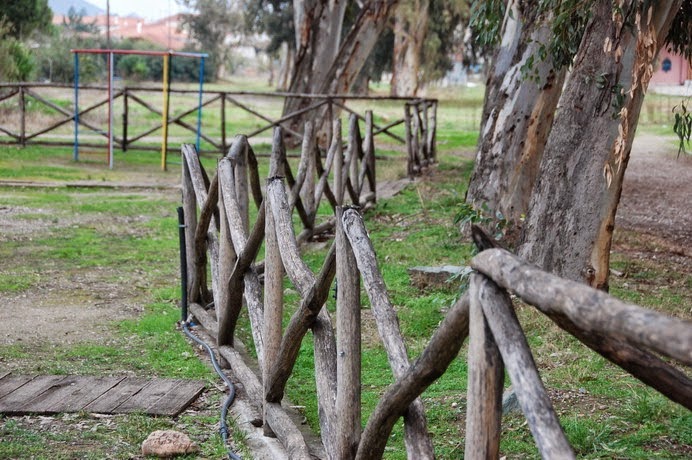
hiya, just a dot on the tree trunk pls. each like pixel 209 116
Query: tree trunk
pixel 570 224
pixel 517 115
pixel 318 26
pixel 338 71
pixel 410 28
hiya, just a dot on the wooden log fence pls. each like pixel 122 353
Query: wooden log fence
pixel 226 234
pixel 419 118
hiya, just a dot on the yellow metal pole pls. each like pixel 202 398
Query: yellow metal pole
pixel 164 114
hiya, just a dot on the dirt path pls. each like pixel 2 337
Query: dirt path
pixel 657 194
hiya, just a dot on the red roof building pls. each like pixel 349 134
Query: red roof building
pixel 166 33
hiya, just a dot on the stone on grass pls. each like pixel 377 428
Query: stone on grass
pixel 168 443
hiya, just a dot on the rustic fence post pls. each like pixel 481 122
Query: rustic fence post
pixel 348 404
pixel 190 212
pixel 409 141
pixel 227 257
pixel 369 153
pixel 223 122
pixel 354 153
pixel 432 133
pixel 273 301
pixel 418 443
pixel 485 379
pixel 533 398
pixel 339 170
pixel 425 134
pixel 22 119
pixel 419 158
pixel 239 159
pixel 323 183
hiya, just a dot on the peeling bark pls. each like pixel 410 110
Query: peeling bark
pixel 570 224
pixel 517 115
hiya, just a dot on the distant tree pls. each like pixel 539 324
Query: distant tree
pixel 74 22
pixel 16 62
pixel 25 16
pixel 213 22
pixel 426 34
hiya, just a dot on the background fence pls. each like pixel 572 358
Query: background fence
pixel 43 114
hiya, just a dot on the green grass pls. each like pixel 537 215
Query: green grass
pixel 604 412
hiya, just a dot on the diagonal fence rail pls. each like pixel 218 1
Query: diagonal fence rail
pixel 231 215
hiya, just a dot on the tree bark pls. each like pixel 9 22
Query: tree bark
pixel 338 73
pixel 410 28
pixel 517 115
pixel 571 219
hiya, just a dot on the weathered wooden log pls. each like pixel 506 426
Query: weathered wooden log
pixel 253 169
pixel 288 434
pixel 430 365
pixel 202 233
pixel 273 301
pixel 354 153
pixel 533 399
pixel 369 153
pixel 325 380
pixel 227 310
pixel 589 309
pixel 418 443
pixel 324 227
pixel 190 212
pixel 307 190
pixel 298 272
pixel 252 293
pixel 242 280
pixel 348 404
pixel 409 141
pixel 203 317
pixel 339 174
pixel 642 364
pixel 238 154
pixel 304 318
pixel 323 172
pixel 432 132
pixel 303 167
pixel 485 379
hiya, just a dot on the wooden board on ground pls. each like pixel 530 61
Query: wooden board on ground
pixel 52 394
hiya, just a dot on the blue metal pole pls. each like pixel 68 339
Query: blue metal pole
pixel 75 155
pixel 199 104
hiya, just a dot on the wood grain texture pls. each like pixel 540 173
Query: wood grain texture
pixel 533 398
pixel 590 309
pixel 348 336
pixel 418 442
pixel 485 381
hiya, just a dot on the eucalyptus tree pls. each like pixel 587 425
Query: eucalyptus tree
pixel 564 169
pixel 214 21
pixel 426 34
pixel 328 60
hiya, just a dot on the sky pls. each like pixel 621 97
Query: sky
pixel 150 9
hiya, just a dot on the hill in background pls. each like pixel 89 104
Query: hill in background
pixel 61 7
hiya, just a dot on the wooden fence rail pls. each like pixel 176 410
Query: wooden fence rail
pixel 418 118
pixel 226 234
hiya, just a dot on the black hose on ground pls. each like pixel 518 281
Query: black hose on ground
pixel 223 427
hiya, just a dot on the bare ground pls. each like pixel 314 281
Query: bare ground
pixel 66 306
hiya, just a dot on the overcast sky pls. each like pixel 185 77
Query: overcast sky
pixel 151 9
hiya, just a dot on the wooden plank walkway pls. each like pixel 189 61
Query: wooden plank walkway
pixel 53 394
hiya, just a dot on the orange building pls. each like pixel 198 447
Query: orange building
pixel 166 33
